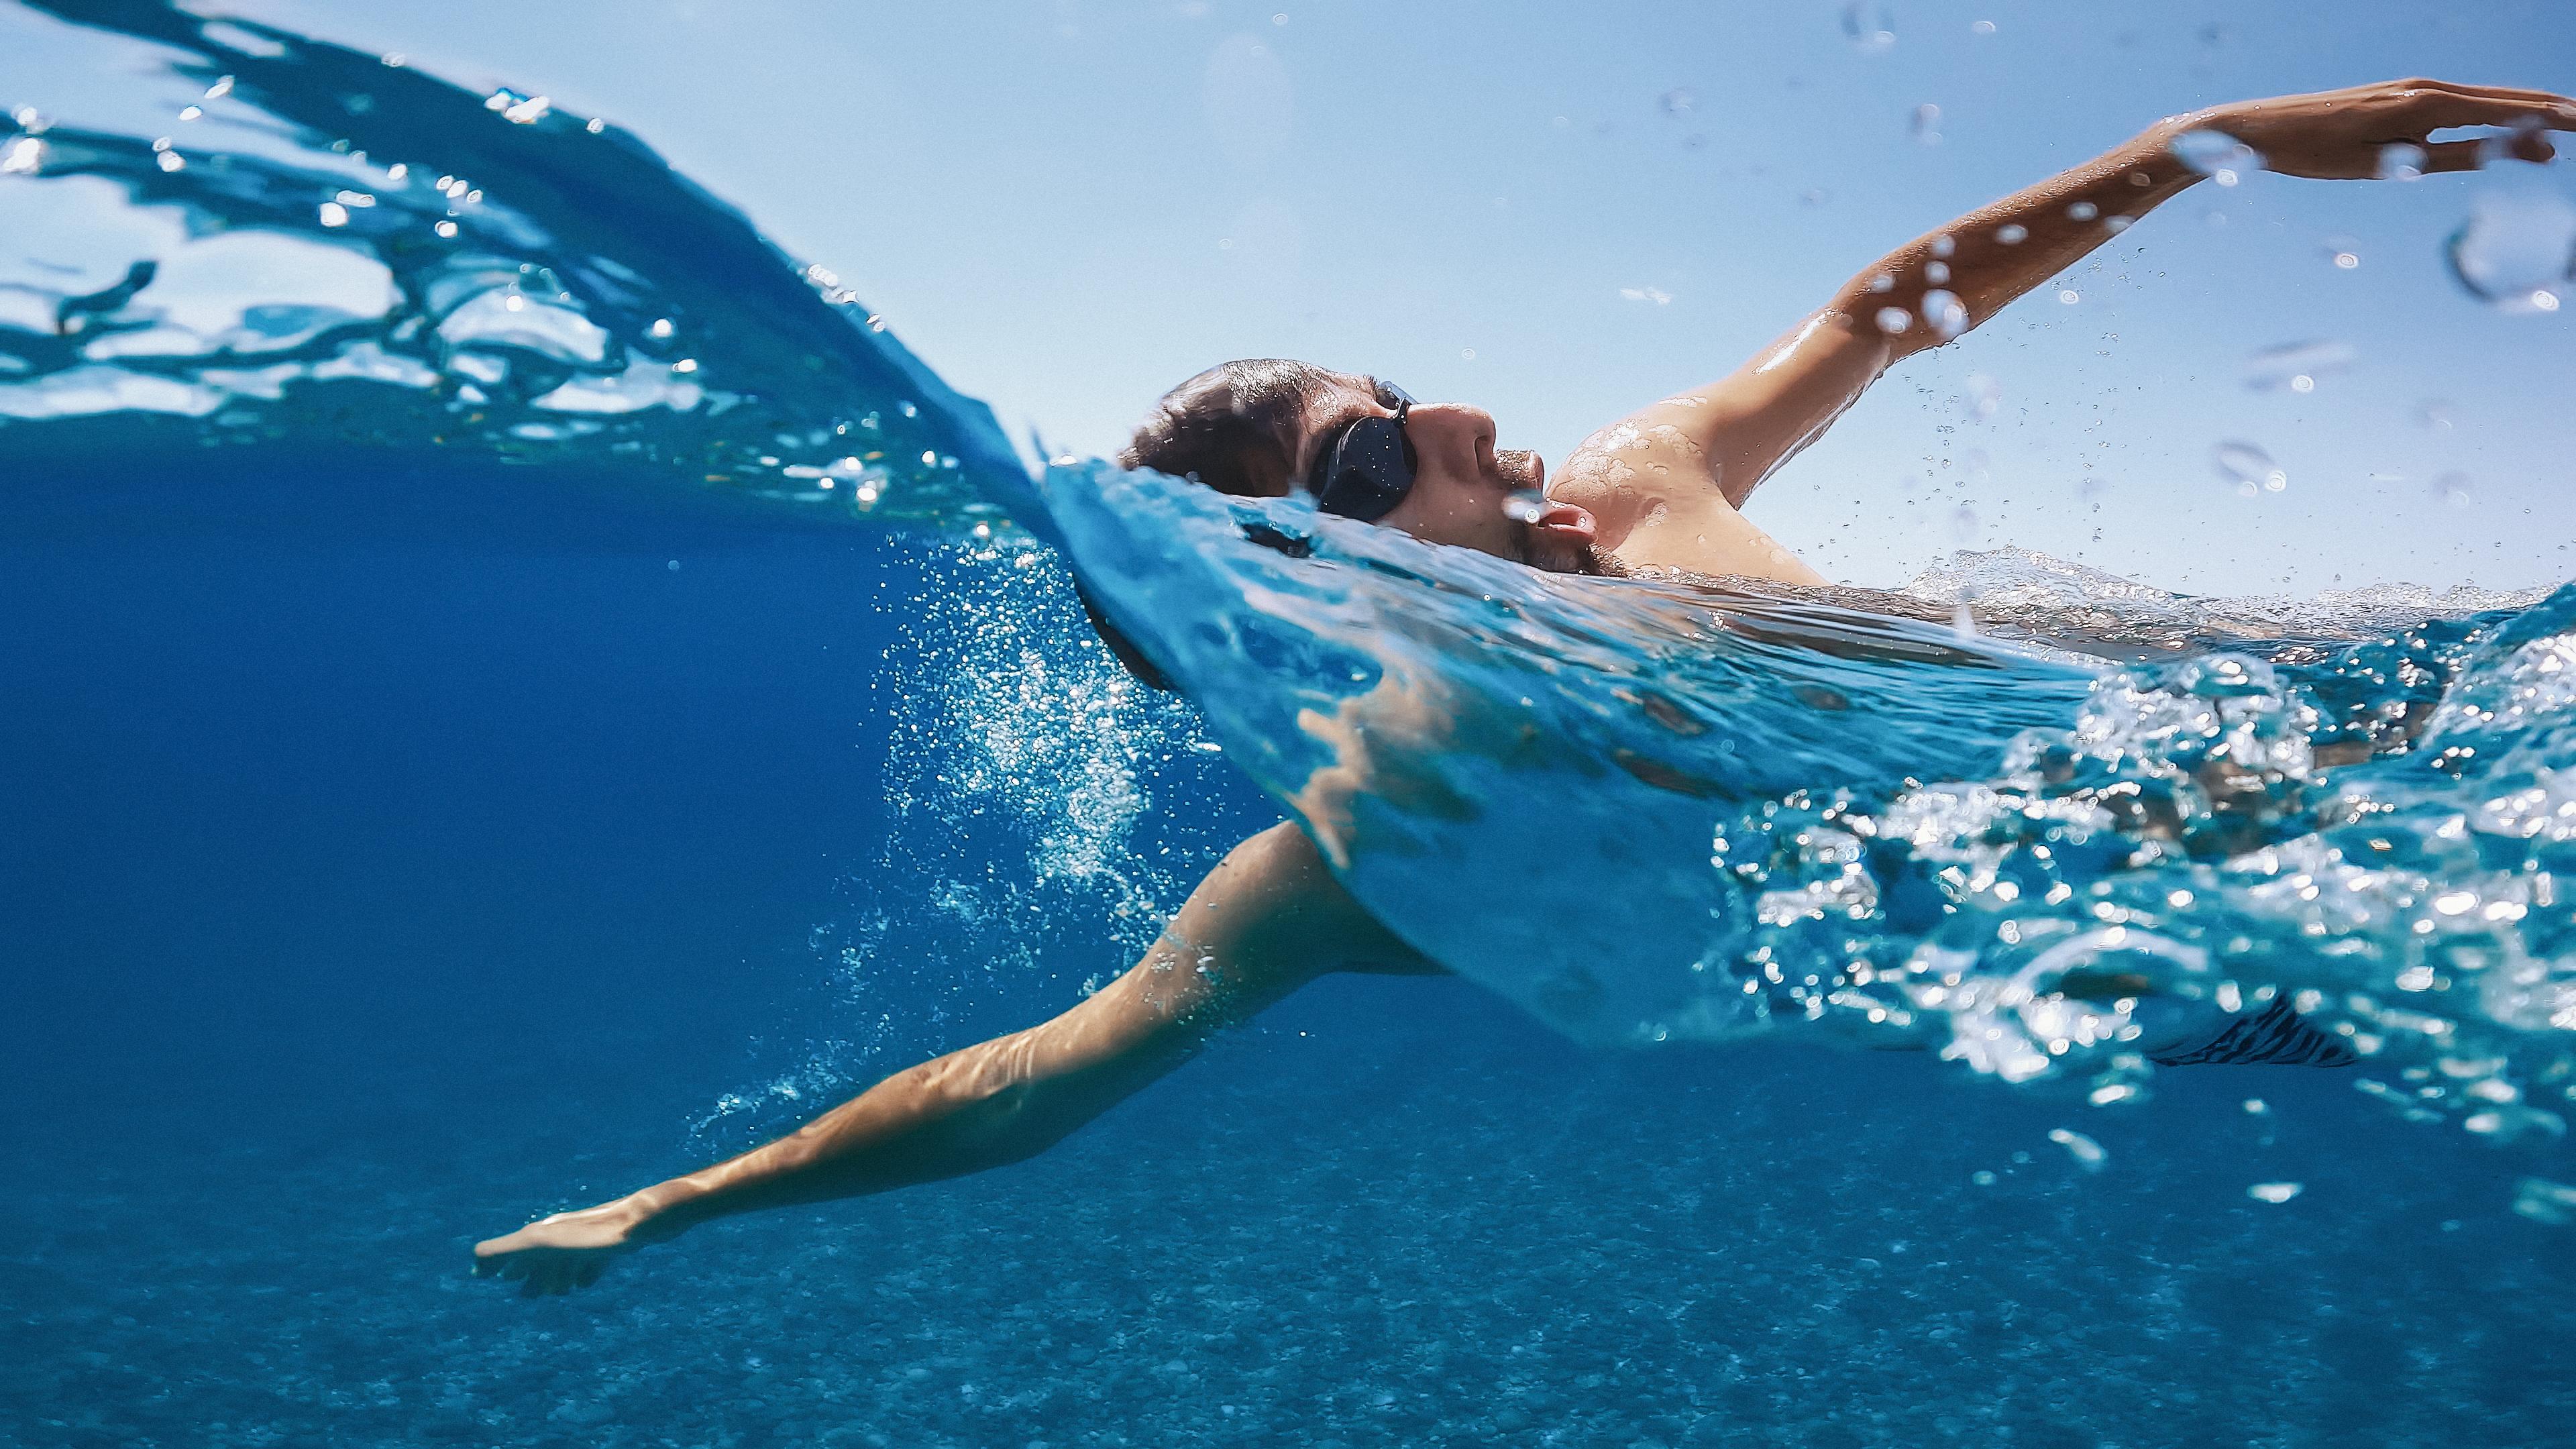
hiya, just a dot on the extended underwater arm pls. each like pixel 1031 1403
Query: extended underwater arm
pixel 1268 919
pixel 1741 428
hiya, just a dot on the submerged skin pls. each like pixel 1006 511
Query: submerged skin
pixel 1658 489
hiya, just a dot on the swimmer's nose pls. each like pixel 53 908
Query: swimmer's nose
pixel 1465 433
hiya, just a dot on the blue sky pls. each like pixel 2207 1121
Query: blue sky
pixel 1561 211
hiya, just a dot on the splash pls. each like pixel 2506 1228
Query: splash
pixel 2108 819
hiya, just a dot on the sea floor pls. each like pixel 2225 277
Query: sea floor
pixel 1397 1214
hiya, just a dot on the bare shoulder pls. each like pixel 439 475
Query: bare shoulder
pixel 1636 470
pixel 1655 486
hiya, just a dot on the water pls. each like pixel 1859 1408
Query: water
pixel 443 808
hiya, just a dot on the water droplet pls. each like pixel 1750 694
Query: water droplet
pixel 2083 211
pixel 1982 1178
pixel 2434 413
pixel 1467 353
pixel 1926 125
pixel 673 566
pixel 2453 489
pixel 445 228
pixel 2286 364
pixel 1947 314
pixel 1984 395
pixel 2217 155
pixel 2070 296
pixel 170 161
pixel 22 157
pixel 1280 18
pixel 1678 101
pixel 334 214
pixel 1894 320
pixel 1882 283
pixel 2515 249
pixel 2012 234
pixel 2249 468
pixel 1936 272
pixel 1870 27
pixel 661 328
pixel 2274 1191
pixel 1963 522
pixel 1981 27
pixel 2402 161
pixel 2256 1107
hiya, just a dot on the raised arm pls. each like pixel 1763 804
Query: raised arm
pixel 1664 482
pixel 1268 919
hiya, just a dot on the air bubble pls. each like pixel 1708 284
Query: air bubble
pixel 1926 125
pixel 1894 320
pixel 2012 234
pixel 2088 1154
pixel 1945 312
pixel 2454 489
pixel 2275 1191
pixel 2402 161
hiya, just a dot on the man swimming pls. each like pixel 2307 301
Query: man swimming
pixel 1658 490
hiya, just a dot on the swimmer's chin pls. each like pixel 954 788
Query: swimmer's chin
pixel 569 1250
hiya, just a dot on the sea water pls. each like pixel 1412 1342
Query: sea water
pixel 469 756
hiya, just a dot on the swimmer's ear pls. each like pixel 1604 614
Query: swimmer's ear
pixel 1128 655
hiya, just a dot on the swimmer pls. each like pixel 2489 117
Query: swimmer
pixel 1658 490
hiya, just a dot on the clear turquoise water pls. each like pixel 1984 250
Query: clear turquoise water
pixel 466 766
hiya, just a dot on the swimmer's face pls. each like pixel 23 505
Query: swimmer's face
pixel 1462 483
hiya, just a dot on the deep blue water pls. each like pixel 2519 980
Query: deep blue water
pixel 371 888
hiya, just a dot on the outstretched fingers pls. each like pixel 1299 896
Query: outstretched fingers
pixel 2563 106
pixel 2440 109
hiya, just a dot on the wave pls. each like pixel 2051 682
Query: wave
pixel 329 247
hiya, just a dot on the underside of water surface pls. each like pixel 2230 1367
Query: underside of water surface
pixel 2023 823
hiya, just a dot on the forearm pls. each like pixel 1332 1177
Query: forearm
pixel 1996 253
pixel 991 1104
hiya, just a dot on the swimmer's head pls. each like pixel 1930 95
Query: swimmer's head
pixel 1268 427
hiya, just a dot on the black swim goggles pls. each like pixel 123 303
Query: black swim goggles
pixel 1366 467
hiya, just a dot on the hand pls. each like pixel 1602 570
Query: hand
pixel 566 1251
pixel 2339 135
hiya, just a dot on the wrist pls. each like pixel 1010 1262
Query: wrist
pixel 662 1210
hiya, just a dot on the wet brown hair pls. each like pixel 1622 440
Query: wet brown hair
pixel 1235 428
